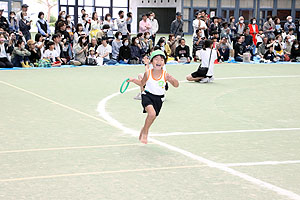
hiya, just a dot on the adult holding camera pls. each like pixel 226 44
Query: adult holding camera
pixel 6 47
pixel 43 26
pixel 25 26
pixel 129 22
pixel 122 24
pixel 199 23
pixel 177 25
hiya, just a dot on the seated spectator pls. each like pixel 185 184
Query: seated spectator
pixel 5 49
pixel 295 52
pixel 43 26
pixel 70 23
pixel 95 25
pixel 224 49
pixel 104 33
pixel 40 43
pixel 104 52
pixel 287 47
pixel 116 45
pixel 35 55
pixel 61 18
pixel 147 43
pixel 239 49
pixel 51 55
pixel 80 50
pixel 269 55
pixel 198 42
pixel 249 42
pixel 61 57
pixel 71 33
pixel 20 55
pixel 125 52
pixel 172 43
pixel 93 44
pixel 66 39
pixel 259 37
pixel 215 26
pixel 289 24
pixel 278 48
pixel 226 32
pixel 92 57
pixel 269 28
pixel 13 22
pixel 136 51
pixel 182 52
pixel 262 48
pixel 79 32
pixel 215 35
pixel 111 26
pixel 25 26
pixel 291 34
pixel 161 45
pixel 298 29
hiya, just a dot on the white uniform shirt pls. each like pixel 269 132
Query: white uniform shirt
pixel 196 27
pixel 101 50
pixel 204 56
pixel 156 86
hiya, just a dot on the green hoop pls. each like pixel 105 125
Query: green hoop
pixel 121 88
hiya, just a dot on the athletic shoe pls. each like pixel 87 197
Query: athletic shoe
pixel 204 80
pixel 211 79
pixel 138 96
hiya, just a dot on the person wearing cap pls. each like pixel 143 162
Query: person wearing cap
pixel 177 26
pixel 289 24
pixel 24 9
pixel 3 21
pixel 92 57
pixel 154 80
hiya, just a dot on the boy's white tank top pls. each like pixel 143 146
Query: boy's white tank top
pixel 156 86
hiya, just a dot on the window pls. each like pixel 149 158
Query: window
pixel 120 3
pixel 284 4
pixel 282 14
pixel 200 3
pixel 4 5
pixel 228 3
pixel 246 4
pixel 266 4
pixel 15 6
pixel 186 3
pixel 297 14
pixel 247 14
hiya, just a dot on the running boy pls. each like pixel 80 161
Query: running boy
pixel 155 81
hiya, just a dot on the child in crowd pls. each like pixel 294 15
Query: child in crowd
pixel 92 58
pixel 52 55
pixel 154 81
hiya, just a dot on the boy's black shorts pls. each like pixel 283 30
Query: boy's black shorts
pixel 201 72
pixel 154 100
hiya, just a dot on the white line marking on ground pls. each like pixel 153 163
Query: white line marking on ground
pixel 54 102
pixel 101 172
pixel 222 167
pixel 70 148
pixel 218 132
pixel 258 77
pixel 262 163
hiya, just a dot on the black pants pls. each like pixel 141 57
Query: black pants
pixel 4 63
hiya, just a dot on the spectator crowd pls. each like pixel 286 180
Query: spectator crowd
pixel 108 41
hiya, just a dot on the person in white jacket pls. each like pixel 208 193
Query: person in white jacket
pixel 154 27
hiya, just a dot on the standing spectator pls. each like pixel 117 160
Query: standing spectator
pixel 125 52
pixel 24 10
pixel 86 22
pixel 289 24
pixel 112 26
pixel 253 30
pixel 198 43
pixel 129 22
pixel 199 23
pixel 80 50
pixel 70 23
pixel 241 25
pixel 154 26
pixel 25 26
pixel 5 49
pixel 232 25
pixel 61 18
pixel 215 26
pixel 122 24
pixel 13 23
pixel 239 49
pixel 177 25
pixel 43 26
pixel 183 52
pixel 116 45
pixel 172 43
pixel 20 55
pixel 95 25
pixel 83 12
pixel 136 51
pixel 269 27
pixel 278 29
pixel 144 25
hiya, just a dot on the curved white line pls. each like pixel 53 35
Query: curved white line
pixel 222 167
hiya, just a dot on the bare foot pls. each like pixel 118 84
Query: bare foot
pixel 144 139
pixel 141 133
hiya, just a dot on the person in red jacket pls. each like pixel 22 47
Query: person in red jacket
pixel 253 29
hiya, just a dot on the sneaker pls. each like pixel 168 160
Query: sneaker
pixel 138 96
pixel 211 79
pixel 204 80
